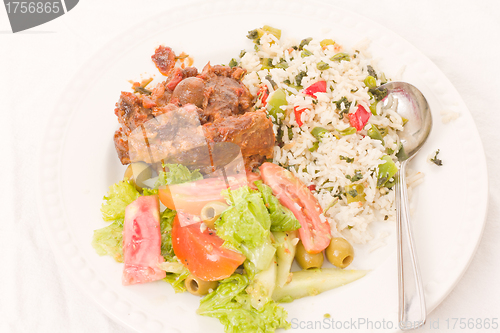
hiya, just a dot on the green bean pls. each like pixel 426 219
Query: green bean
pixel 322 66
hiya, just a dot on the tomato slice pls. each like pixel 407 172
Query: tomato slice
pixel 142 241
pixel 193 196
pixel 294 195
pixel 202 252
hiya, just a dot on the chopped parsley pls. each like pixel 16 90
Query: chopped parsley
pixel 436 160
pixel 347 159
pixel 371 71
pixel 304 42
pixel 346 104
pixel 299 77
pixel 357 176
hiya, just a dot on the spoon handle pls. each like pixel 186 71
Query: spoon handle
pixel 412 312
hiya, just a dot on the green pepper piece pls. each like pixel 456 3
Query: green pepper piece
pixel 370 81
pixel 267 63
pixel 322 66
pixel 276 100
pixel 305 53
pixel 374 133
pixel 348 131
pixel 325 42
pixel 319 132
pixel 341 56
pixel 273 31
pixel 355 193
pixel 373 108
pixel 401 154
pixel 314 146
pixel 304 42
pixel 386 170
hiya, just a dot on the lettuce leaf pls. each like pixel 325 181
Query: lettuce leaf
pixel 177 280
pixel 166 221
pixel 108 240
pixel 231 305
pixel 177 174
pixel 245 226
pixel 282 219
pixel 119 196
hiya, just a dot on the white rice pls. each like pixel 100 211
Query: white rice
pixel 323 167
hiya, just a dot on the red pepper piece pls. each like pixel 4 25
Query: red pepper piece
pixel 359 118
pixel 298 113
pixel 318 87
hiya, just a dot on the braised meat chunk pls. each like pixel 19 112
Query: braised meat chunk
pixel 252 132
pixel 188 114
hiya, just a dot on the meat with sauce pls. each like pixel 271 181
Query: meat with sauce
pixel 164 119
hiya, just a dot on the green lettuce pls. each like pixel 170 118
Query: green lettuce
pixel 232 306
pixel 245 226
pixel 177 174
pixel 282 219
pixel 166 221
pixel 108 240
pixel 177 280
pixel 119 196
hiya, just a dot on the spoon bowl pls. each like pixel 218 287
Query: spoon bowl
pixel 411 105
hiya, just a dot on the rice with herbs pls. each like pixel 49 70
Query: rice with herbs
pixel 342 159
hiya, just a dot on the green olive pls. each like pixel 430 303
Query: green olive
pixel 199 287
pixel 308 260
pixel 211 212
pixel 137 173
pixel 340 252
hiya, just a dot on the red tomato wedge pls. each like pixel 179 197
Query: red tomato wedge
pixel 294 195
pixel 359 118
pixel 193 196
pixel 318 87
pixel 142 241
pixel 202 252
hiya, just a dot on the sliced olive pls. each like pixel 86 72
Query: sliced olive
pixel 199 287
pixel 307 260
pixel 340 252
pixel 211 212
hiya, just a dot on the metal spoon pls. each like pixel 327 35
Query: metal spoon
pixel 412 105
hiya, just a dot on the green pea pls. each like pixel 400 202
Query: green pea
pixel 319 132
pixel 341 56
pixel 277 99
pixel 374 133
pixel 322 66
pixel 370 82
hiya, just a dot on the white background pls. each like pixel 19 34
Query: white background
pixel 461 37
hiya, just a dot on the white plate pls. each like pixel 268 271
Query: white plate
pixel 78 163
